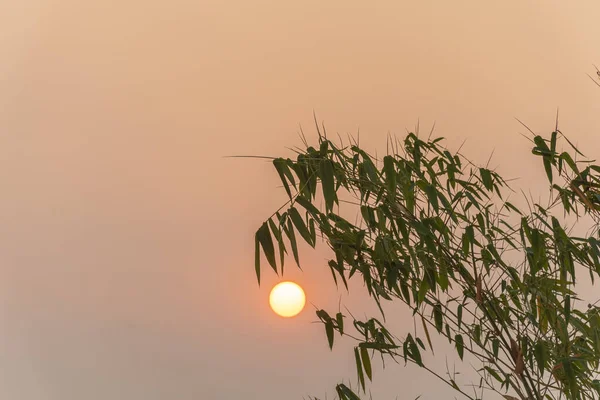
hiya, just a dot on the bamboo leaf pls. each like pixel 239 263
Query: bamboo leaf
pixel 329 332
pixel 567 157
pixel 427 334
pixel 390 175
pixel 544 151
pixel 284 174
pixel 486 178
pixel 264 237
pixel 366 362
pixel 359 369
pixel 567 309
pixel 257 258
pixel 289 231
pixel 327 183
pixel 460 345
pixel 495 347
pixel 540 352
pixel 344 393
pixel 414 350
pixel 493 373
pixel 437 316
pixel 432 197
pixel 300 225
pixel 340 322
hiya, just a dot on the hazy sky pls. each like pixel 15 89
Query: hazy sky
pixel 126 239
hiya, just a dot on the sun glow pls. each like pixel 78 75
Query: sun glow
pixel 287 299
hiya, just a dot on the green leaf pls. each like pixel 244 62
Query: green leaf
pixel 415 353
pixel 442 276
pixel 257 258
pixel 359 370
pixel 486 178
pixel 567 157
pixel 432 197
pixel 390 175
pixel 366 362
pixel 466 244
pixel 378 346
pixel 481 223
pixel 567 309
pixel 264 237
pixel 340 322
pixel 329 332
pixel 279 238
pixel 477 334
pixel 553 142
pixel 300 225
pixel 512 207
pixel 542 149
pixel 540 352
pixel 308 206
pixel 344 393
pixel 289 231
pixel 458 339
pixel 493 373
pixel 313 232
pixel 285 174
pixel 459 313
pixel 427 334
pixel 328 183
pixel 495 347
pixel 437 316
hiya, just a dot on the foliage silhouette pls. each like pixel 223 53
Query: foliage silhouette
pixel 438 233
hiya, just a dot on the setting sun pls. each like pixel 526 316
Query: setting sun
pixel 287 299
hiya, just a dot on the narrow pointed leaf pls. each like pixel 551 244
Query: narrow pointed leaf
pixel 327 182
pixel 390 175
pixel 257 258
pixel 366 362
pixel 359 369
pixel 460 346
pixel 264 237
pixel 427 334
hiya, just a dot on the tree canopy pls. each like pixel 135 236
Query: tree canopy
pixel 439 234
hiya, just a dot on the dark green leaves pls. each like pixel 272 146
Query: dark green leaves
pixel 263 236
pixel 340 322
pixel 486 178
pixel 547 155
pixel 460 345
pixel 301 226
pixel 344 393
pixel 289 231
pixel 540 352
pixel 567 309
pixel 432 197
pixel 366 362
pixel 329 332
pixel 359 369
pixel 411 350
pixel 328 322
pixel 437 316
pixel 282 167
pixel 257 258
pixel 328 183
pixel 431 222
pixel 390 175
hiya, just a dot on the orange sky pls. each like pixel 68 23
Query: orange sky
pixel 126 239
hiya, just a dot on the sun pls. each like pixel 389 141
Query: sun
pixel 287 299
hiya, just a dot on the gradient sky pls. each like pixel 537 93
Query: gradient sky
pixel 126 239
